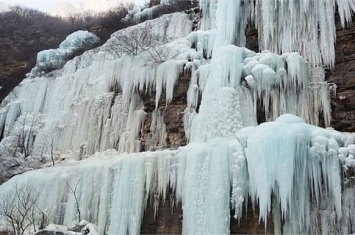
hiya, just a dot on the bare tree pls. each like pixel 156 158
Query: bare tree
pixel 74 193
pixel 135 40
pixel 50 143
pixel 27 135
pixel 22 135
pixel 130 42
pixel 51 148
pixel 143 38
pixel 19 208
pixel 162 53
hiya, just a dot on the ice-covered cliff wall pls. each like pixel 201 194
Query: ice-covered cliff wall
pixel 288 167
pixel 79 108
pixel 95 103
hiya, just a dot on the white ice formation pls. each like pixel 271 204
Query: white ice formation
pixel 298 174
pixel 52 59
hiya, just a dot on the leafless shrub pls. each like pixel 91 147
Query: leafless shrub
pixel 19 209
pixel 50 141
pixel 21 137
pixel 24 136
pixel 161 54
pixel 131 42
pixel 139 39
pixel 48 148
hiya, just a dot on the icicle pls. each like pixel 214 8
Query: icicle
pixel 346 10
pixel 208 8
pixel 204 41
pixel 157 137
pixel 167 75
pixel 231 21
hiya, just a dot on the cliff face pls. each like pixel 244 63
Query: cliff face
pixel 343 75
pixel 168 220
pixel 172 114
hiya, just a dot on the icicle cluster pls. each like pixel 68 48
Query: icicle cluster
pixel 306 27
pixel 282 84
pixel 298 164
pixel 112 190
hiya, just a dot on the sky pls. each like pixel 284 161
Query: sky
pixel 43 5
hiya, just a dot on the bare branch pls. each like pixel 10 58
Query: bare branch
pixel 73 191
pixel 19 208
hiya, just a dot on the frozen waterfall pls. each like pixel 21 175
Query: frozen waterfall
pixel 91 113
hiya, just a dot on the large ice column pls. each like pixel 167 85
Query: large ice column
pixel 112 190
pixel 214 158
pixel 229 17
pixel 157 135
pixel 221 109
pixel 231 21
pixel 205 174
pixel 208 8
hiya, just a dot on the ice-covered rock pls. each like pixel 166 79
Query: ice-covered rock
pixel 49 60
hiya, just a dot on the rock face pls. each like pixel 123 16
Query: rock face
pixel 167 220
pixel 343 75
pixel 172 115
pixel 154 3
